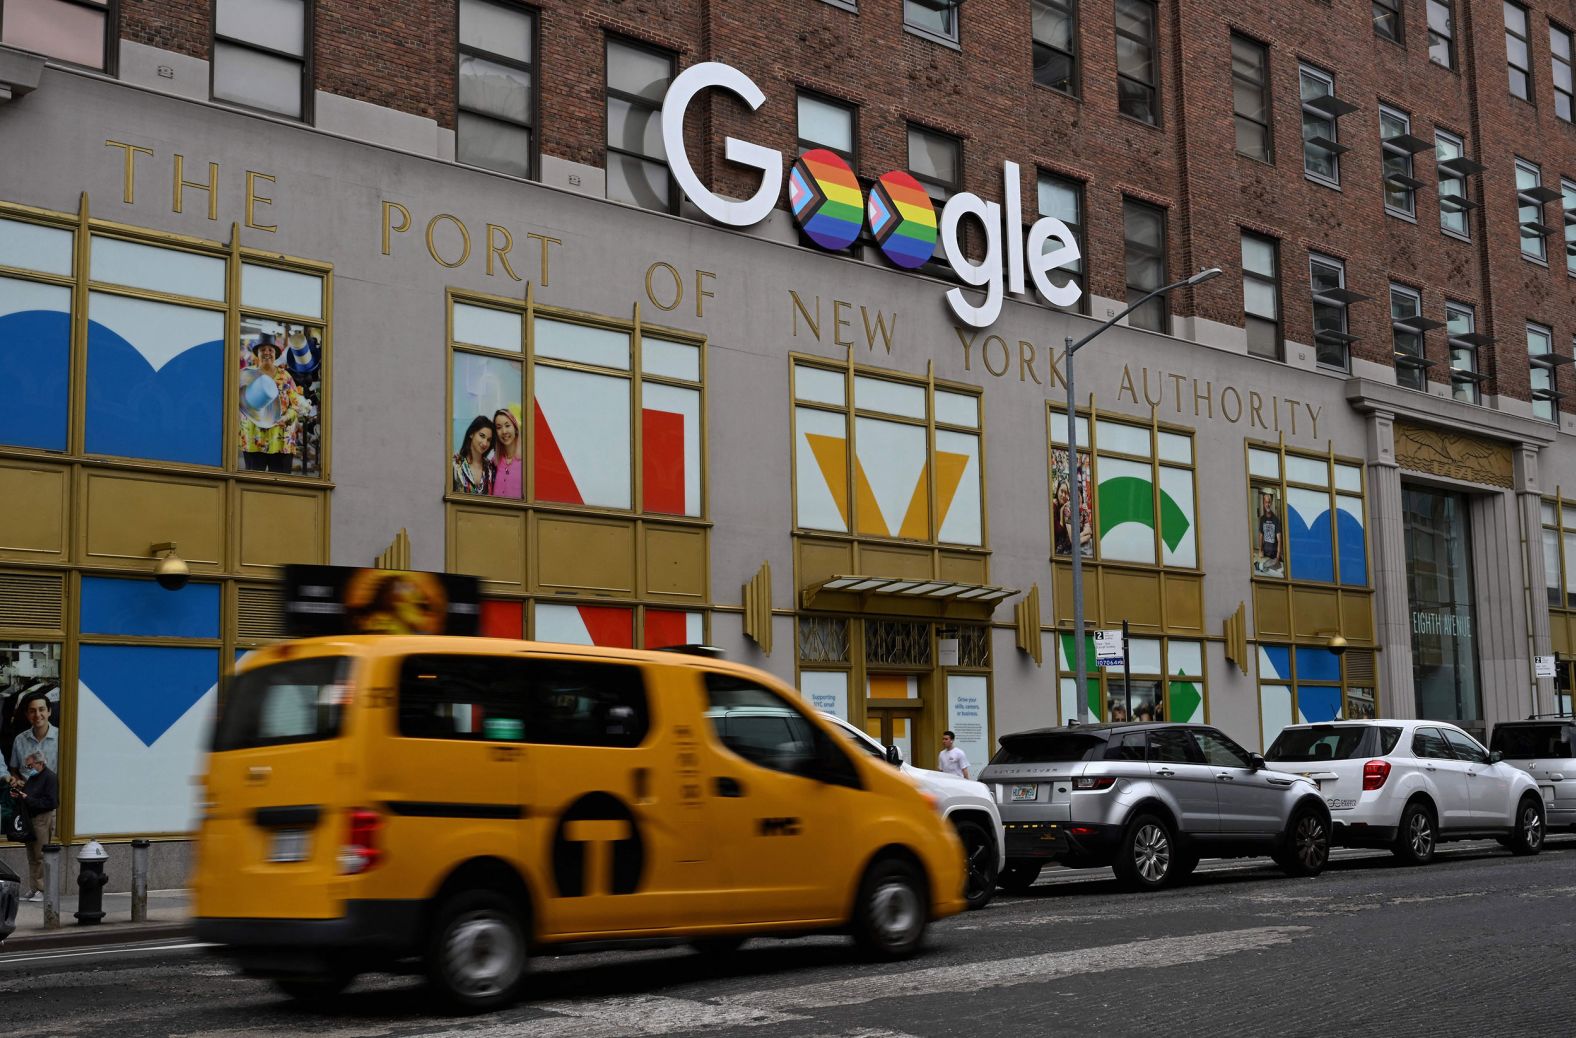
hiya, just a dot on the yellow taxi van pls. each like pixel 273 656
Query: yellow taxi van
pixel 463 802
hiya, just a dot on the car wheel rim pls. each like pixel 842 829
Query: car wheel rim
pixel 1532 827
pixel 981 877
pixel 1312 845
pixel 894 912
pixel 482 955
pixel 1421 835
pixel 1152 853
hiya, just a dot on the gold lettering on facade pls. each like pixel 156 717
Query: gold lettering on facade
pixel 1176 389
pixel 838 321
pixel 389 209
pixel 212 186
pixel 701 292
pixel 1208 396
pixel 253 198
pixel 1054 362
pixel 500 251
pixel 1159 397
pixel 880 328
pixel 1231 412
pixel 678 286
pixel 1026 362
pixel 1291 413
pixel 1127 386
pixel 1463 456
pixel 967 342
pixel 1313 415
pixel 546 241
pixel 128 191
pixel 1006 355
pixel 800 309
pixel 465 240
pixel 1256 409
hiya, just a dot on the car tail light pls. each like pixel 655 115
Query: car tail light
pixel 1094 782
pixel 1374 773
pixel 360 851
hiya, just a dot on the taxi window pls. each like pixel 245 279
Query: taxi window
pixel 761 727
pixel 514 699
pixel 290 702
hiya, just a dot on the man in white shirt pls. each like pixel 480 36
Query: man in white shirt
pixel 951 759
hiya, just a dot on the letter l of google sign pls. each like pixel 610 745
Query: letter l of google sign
pixel 994 273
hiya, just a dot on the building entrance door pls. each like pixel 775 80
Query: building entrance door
pixel 893 709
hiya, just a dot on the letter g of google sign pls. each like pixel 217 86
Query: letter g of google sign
pixel 824 199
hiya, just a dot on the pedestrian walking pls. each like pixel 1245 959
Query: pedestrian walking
pixel 951 759
pixel 37 797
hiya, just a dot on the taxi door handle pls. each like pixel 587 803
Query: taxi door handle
pixel 728 787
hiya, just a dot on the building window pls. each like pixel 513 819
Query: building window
pixel 869 470
pixel 1559 553
pixel 1408 326
pixel 1560 55
pixel 75 31
pixel 1306 517
pixel 1463 339
pixel 1531 196
pixel 574 441
pixel 936 161
pixel 1568 209
pixel 637 166
pixel 1455 194
pixel 1442 33
pixel 1517 52
pixel 1545 380
pixel 938 18
pixel 1144 242
pixel 1120 469
pixel 1398 145
pixel 1330 299
pixel 1137 67
pixel 1261 295
pixel 497 80
pixel 1250 96
pixel 1308 684
pixel 1437 533
pixel 1387 20
pixel 1056 44
pixel 1063 199
pixel 824 123
pixel 260 55
pixel 1321 147
pixel 1165 682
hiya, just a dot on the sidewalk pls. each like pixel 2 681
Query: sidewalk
pixel 169 915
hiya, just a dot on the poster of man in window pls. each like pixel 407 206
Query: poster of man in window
pixel 281 390
pixel 1268 526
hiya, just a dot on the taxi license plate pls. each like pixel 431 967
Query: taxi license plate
pixel 289 845
pixel 1021 793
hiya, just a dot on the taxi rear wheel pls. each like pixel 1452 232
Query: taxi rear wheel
pixel 476 953
pixel 891 912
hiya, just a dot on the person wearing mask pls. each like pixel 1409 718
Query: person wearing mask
pixel 38 795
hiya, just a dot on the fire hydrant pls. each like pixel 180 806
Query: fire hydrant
pixel 90 883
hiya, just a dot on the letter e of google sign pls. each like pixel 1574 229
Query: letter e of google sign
pixel 826 200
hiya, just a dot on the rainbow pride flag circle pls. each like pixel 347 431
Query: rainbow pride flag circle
pixel 903 219
pixel 825 198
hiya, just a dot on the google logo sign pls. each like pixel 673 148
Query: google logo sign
pixel 827 202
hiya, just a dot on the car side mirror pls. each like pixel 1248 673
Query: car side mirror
pixel 894 756
pixel 1256 761
pixel 1495 757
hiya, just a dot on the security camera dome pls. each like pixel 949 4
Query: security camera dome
pixel 172 573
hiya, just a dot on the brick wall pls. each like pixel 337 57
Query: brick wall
pixel 400 54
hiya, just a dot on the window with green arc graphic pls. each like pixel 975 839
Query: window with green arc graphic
pixel 1168 682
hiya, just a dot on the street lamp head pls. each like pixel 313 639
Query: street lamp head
pixel 1203 275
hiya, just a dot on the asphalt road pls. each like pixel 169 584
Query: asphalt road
pixel 1478 943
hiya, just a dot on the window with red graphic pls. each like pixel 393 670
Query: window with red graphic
pixel 613 627
pixel 614 419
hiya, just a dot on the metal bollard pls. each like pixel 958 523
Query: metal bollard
pixel 51 886
pixel 90 883
pixel 139 881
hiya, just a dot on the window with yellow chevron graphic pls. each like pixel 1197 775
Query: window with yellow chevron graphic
pixel 880 468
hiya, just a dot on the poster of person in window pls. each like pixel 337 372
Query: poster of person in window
pixel 1061 504
pixel 281 389
pixel 1268 527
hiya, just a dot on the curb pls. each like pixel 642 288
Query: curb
pixel 90 936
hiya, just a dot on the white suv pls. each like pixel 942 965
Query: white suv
pixel 1407 785
pixel 963 802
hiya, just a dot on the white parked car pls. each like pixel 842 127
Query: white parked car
pixel 1408 785
pixel 963 802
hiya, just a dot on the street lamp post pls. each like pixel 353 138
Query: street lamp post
pixel 1076 475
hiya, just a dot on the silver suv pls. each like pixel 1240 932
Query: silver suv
pixel 1148 800
pixel 1545 748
